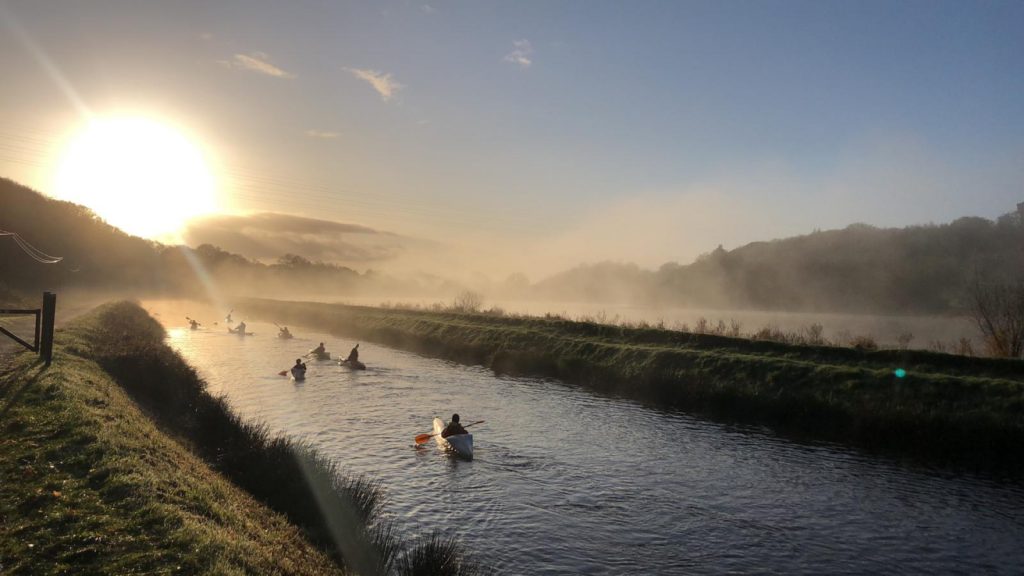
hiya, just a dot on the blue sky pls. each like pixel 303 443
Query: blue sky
pixel 583 131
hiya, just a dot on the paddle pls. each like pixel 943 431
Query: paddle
pixel 421 438
pixel 283 372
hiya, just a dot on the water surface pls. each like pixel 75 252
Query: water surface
pixel 566 481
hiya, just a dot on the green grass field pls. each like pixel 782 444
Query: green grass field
pixel 968 410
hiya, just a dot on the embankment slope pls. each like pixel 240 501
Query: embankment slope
pixel 90 485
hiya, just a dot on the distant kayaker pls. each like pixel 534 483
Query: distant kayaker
pixel 353 356
pixel 284 333
pixel 228 317
pixel 299 370
pixel 320 351
pixel 453 427
pixel 241 328
pixel 193 324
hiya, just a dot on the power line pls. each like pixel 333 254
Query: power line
pixel 33 252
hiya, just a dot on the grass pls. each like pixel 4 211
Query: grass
pixel 116 460
pixel 947 407
pixel 91 486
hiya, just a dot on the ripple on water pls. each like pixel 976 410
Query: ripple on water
pixel 569 482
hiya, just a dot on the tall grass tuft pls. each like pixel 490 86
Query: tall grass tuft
pixel 437 556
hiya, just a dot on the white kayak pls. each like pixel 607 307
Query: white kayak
pixel 460 444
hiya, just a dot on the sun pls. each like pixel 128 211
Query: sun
pixel 140 175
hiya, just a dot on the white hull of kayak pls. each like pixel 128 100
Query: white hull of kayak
pixel 322 357
pixel 460 444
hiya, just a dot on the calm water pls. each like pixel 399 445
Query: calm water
pixel 569 482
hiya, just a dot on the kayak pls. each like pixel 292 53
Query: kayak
pixel 284 336
pixel 320 356
pixel 233 331
pixel 460 444
pixel 353 364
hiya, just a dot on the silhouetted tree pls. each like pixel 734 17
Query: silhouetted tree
pixel 998 310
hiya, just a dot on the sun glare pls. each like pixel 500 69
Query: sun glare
pixel 139 175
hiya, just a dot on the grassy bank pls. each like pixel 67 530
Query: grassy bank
pixel 116 460
pixel 970 410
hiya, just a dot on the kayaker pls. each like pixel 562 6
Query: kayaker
pixel 299 370
pixel 319 351
pixel 241 328
pixel 353 356
pixel 284 333
pixel 193 324
pixel 228 317
pixel 453 427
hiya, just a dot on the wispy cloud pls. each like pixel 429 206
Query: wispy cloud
pixel 323 134
pixel 383 83
pixel 258 62
pixel 521 55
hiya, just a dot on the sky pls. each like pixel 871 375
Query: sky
pixel 532 136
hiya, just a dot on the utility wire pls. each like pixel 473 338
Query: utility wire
pixel 33 252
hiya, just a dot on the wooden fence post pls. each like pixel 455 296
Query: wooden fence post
pixel 49 315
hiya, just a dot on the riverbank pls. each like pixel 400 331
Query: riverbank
pixel 116 460
pixel 939 406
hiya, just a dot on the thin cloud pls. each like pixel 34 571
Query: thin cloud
pixel 383 83
pixel 521 55
pixel 322 134
pixel 258 62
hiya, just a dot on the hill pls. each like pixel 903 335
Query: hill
pixel 918 269
pixel 97 255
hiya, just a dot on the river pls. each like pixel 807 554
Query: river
pixel 566 481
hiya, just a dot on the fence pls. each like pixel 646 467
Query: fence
pixel 42 342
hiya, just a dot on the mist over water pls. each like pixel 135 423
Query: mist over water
pixel 838 327
pixel 567 482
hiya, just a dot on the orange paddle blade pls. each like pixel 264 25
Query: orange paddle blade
pixel 282 373
pixel 421 438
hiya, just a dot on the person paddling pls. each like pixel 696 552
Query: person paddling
pixel 353 356
pixel 241 328
pixel 320 352
pixel 453 427
pixel 284 333
pixel 299 370
pixel 193 324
